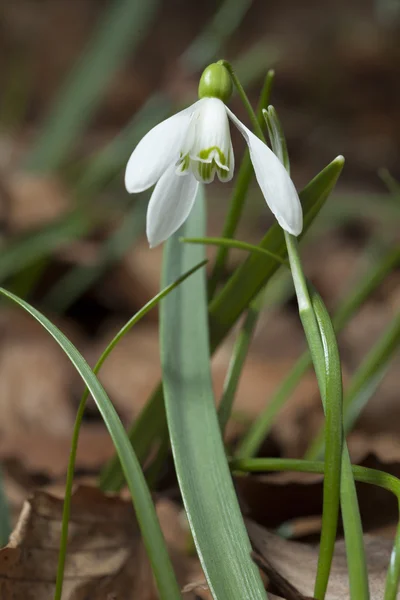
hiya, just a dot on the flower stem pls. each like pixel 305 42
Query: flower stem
pixel 330 384
pixel 323 348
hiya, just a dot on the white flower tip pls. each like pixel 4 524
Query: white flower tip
pixel 295 227
pixel 340 160
pixel 128 186
pixel 152 238
pixel 130 179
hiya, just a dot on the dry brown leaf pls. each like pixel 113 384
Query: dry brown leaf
pixel 297 563
pixel 104 549
pixel 275 580
pixel 106 558
pixel 199 588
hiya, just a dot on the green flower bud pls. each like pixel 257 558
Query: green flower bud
pixel 215 82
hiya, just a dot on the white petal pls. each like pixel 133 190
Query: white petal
pixel 156 151
pixel 211 147
pixel 170 205
pixel 274 181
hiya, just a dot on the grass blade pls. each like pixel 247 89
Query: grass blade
pixel 365 382
pixel 201 465
pixel 141 498
pixel 354 540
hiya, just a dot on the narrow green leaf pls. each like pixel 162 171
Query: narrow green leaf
pixel 202 469
pixel 353 532
pixel 322 344
pixel 364 382
pixel 141 498
pixel 238 244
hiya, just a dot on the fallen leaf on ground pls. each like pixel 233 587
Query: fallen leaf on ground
pixel 103 548
pixel 106 557
pixel 275 579
pixel 297 563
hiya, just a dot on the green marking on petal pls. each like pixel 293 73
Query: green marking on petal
pixel 205 154
pixel 185 163
pixel 222 174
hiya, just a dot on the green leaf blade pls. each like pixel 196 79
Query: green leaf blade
pixel 203 473
pixel 141 498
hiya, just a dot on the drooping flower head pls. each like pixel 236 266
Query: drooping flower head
pixel 193 146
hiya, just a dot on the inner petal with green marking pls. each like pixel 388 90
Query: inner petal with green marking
pixel 208 161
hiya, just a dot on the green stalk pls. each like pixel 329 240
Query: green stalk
pixel 255 121
pixel 236 205
pixel 362 474
pixel 203 474
pixel 78 422
pixel 259 430
pixel 364 382
pixel 322 343
pixel 356 559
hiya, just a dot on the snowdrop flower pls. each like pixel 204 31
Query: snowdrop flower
pixel 194 145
